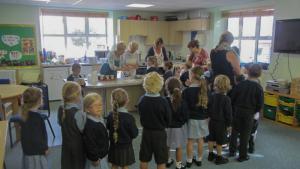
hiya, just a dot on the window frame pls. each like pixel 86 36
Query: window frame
pixel 257 37
pixel 67 35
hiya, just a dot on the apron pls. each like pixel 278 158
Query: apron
pixel 159 57
pixel 106 70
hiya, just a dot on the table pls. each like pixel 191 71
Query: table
pixel 11 93
pixel 133 87
pixel 3 133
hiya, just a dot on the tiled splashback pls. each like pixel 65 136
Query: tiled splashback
pixel 177 50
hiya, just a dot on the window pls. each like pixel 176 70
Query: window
pixel 75 36
pixel 253 36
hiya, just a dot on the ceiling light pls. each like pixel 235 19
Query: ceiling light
pixel 139 5
pixel 77 2
pixel 42 0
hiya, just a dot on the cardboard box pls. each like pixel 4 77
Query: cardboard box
pixel 295 87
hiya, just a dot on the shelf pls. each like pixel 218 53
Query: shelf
pixel 285 95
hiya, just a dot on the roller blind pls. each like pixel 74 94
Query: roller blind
pixel 74 13
pixel 249 12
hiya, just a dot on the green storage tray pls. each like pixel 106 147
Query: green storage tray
pixel 270 112
pixel 286 108
pixel 287 99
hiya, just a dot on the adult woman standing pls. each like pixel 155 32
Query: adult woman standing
pixel 198 55
pixel 115 60
pixel 131 61
pixel 159 51
pixel 224 59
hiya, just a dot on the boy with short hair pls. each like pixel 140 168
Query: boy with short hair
pixel 155 117
pixel 75 76
pixel 247 99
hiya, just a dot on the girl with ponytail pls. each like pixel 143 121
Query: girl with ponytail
pixel 176 136
pixel 122 130
pixel 33 134
pixel 72 120
pixel 197 100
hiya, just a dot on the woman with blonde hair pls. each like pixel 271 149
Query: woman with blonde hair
pixel 130 56
pixel 115 60
pixel 224 59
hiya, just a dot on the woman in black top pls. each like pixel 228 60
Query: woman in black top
pixel 224 59
pixel 33 134
pixel 158 50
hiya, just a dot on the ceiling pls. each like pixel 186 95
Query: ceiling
pixel 159 5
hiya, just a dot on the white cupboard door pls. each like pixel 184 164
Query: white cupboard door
pixel 54 78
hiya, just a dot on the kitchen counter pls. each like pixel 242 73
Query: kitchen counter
pixel 68 65
pixel 133 87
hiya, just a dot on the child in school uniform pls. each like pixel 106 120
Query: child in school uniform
pixel 122 130
pixel 197 126
pixel 95 136
pixel 184 74
pixel 176 135
pixel 72 121
pixel 220 118
pixel 152 64
pixel 34 139
pixel 155 117
pixel 75 76
pixel 168 68
pixel 247 100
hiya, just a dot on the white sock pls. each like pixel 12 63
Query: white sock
pixel 199 158
pixel 169 160
pixel 189 160
pixel 178 164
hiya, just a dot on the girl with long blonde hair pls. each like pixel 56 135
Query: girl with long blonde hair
pixel 196 98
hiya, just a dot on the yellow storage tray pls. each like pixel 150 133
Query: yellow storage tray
pixel 285 119
pixel 271 99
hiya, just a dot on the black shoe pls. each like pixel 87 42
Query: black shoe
pixel 198 163
pixel 242 159
pixel 251 150
pixel 181 167
pixel 221 160
pixel 211 156
pixel 169 163
pixel 232 154
pixel 188 165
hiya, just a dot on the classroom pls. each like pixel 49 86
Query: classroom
pixel 95 84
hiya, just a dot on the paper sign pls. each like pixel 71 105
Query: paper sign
pixel 28 46
pixel 10 40
pixel 2 53
pixel 15 55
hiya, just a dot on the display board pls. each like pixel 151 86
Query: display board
pixel 17 45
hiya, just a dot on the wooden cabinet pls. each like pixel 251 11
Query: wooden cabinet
pixel 54 78
pixel 171 32
pixel 129 28
pixel 157 29
pixel 174 35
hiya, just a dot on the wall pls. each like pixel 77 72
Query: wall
pixel 14 14
pixel 287 9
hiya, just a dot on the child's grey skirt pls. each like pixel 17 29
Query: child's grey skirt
pixel 35 162
pixel 197 128
pixel 176 137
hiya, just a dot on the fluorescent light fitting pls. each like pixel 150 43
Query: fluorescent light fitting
pixel 139 5
pixel 42 1
pixel 77 2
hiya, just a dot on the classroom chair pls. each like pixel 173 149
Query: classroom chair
pixel 4 81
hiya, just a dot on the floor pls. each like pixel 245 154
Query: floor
pixel 277 145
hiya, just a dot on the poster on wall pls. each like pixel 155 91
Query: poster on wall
pixel 17 45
